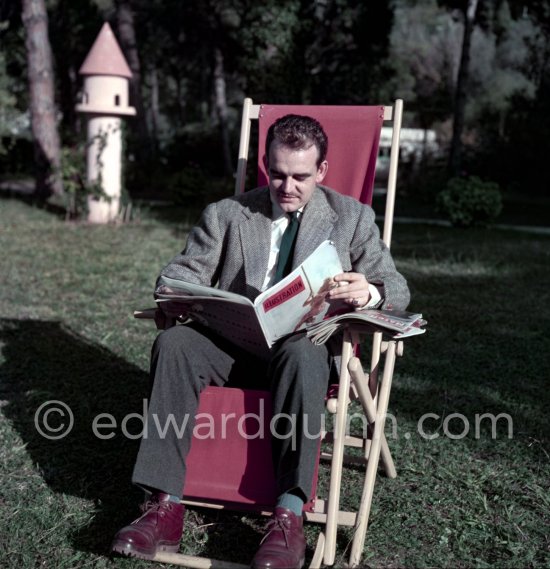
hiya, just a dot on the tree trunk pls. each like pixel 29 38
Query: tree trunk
pixel 66 71
pixel 155 109
pixel 47 147
pixel 221 108
pixel 128 43
pixel 180 97
pixel 455 154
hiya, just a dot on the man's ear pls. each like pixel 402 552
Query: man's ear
pixel 321 172
pixel 266 164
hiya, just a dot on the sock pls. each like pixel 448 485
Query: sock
pixel 149 491
pixel 292 502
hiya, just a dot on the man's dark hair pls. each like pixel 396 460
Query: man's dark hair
pixel 298 132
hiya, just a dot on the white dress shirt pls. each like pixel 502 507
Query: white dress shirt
pixel 279 223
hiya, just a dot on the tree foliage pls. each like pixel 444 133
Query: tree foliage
pixel 425 43
pixel 198 59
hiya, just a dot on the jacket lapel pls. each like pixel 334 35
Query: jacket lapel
pixel 315 227
pixel 255 233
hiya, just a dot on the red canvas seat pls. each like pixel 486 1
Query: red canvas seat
pixel 230 463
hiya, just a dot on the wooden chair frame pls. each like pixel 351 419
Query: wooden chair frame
pixel 372 389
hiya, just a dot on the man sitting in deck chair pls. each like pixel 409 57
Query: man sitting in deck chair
pixel 242 243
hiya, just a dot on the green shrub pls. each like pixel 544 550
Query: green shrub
pixel 76 187
pixel 470 201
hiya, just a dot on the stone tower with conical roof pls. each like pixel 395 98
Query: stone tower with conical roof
pixel 105 100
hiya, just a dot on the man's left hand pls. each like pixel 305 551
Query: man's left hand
pixel 352 288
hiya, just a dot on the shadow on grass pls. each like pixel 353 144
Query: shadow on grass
pixel 47 361
pixel 43 361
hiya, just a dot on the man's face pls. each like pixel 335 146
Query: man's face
pixel 293 175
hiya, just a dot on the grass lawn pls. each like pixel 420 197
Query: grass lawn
pixel 67 293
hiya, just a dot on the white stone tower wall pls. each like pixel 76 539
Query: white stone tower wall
pixel 105 93
pixel 108 167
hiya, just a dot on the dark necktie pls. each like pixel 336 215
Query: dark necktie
pixel 286 252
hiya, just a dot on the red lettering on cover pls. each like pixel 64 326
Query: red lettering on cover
pixel 295 287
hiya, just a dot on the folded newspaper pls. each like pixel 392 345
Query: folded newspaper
pixel 396 323
pixel 298 299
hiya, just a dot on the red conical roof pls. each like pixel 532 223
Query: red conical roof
pixel 105 57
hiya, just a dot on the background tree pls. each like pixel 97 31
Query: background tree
pixel 469 12
pixel 270 59
pixel 519 151
pixel 499 71
pixel 195 61
pixel 8 110
pixel 425 46
pixel 129 44
pixel 42 99
pixel 73 26
pixel 345 47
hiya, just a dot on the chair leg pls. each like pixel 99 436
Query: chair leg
pixel 361 386
pixel 375 361
pixel 319 551
pixel 370 477
pixel 338 453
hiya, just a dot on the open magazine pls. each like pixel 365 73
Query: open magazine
pixel 396 323
pixel 285 308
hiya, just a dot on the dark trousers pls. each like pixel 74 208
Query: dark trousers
pixel 186 359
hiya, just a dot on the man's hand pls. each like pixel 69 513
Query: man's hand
pixel 352 288
pixel 163 289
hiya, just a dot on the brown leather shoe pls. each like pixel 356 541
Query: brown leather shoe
pixel 284 544
pixel 158 529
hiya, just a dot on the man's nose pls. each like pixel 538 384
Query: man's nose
pixel 288 184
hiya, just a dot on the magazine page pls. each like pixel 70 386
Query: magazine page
pixel 185 289
pixel 300 298
pixel 397 324
pixel 398 320
pixel 236 322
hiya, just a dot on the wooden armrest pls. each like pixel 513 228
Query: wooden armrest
pixel 147 313
pixel 162 322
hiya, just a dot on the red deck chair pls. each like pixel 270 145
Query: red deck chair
pixel 246 481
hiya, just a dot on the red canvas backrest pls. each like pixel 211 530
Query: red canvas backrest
pixel 219 469
pixel 353 133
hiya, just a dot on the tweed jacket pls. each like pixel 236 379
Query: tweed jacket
pixel 230 244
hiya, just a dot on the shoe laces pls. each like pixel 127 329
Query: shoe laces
pixel 278 523
pixel 154 506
